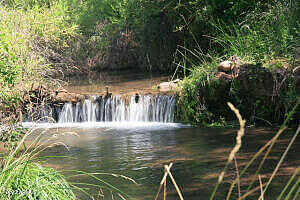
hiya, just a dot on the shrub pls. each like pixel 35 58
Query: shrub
pixel 31 46
pixel 265 36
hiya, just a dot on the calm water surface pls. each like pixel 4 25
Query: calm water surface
pixel 139 151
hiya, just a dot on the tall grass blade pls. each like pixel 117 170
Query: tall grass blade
pixel 288 183
pixel 281 159
pixel 295 186
pixel 252 160
pixel 236 148
pixel 297 194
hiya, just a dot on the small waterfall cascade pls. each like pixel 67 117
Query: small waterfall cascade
pixel 159 108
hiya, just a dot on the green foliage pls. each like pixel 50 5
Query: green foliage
pixel 21 178
pixel 261 37
pixel 257 32
pixel 28 40
pixel 28 4
pixel 9 68
pixel 10 136
pixel 9 72
pixel 154 35
pixel 192 101
pixel 155 29
pixel 262 97
pixel 32 181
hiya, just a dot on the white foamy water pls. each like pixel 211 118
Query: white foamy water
pixel 114 125
pixel 160 108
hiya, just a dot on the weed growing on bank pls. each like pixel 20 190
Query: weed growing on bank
pixel 290 189
pixel 22 177
pixel 266 40
pixel 32 42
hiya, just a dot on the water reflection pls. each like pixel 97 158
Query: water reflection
pixel 140 153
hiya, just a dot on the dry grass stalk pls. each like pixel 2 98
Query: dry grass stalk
pixel 282 158
pixel 240 132
pixel 239 136
pixel 297 171
pixel 275 170
pixel 251 191
pixel 123 198
pixel 236 148
pixel 174 182
pixel 112 195
pixel 165 189
pixel 261 188
pixel 162 181
pixel 260 151
pixel 238 177
pixel 100 194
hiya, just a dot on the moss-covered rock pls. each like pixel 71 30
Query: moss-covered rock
pixel 262 95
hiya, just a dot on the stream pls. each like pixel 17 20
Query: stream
pixel 135 137
pixel 139 150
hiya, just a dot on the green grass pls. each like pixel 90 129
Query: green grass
pixel 25 180
pixel 22 177
pixel 265 37
pixel 29 40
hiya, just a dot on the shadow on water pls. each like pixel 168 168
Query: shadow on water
pixel 198 155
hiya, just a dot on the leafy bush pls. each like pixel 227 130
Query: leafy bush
pixel 263 35
pixel 9 72
pixel 267 33
pixel 29 39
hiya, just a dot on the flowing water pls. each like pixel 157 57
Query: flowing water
pixel 118 109
pixel 136 136
pixel 136 139
pixel 136 108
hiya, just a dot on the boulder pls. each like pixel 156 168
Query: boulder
pixel 168 86
pixel 296 71
pixel 229 65
pixel 252 79
pixel 223 77
pixel 225 66
pixel 297 56
pixel 255 80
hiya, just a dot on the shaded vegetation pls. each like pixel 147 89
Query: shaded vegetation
pixel 31 44
pixel 41 40
pixel 265 38
pixel 187 37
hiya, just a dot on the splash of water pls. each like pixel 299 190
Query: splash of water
pixel 118 109
pixel 147 108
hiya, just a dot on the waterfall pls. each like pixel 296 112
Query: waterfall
pixel 147 108
pixel 66 115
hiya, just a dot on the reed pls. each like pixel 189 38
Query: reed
pixel 290 190
pixel 22 176
pixel 292 194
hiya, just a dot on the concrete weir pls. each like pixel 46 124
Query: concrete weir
pixel 142 108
